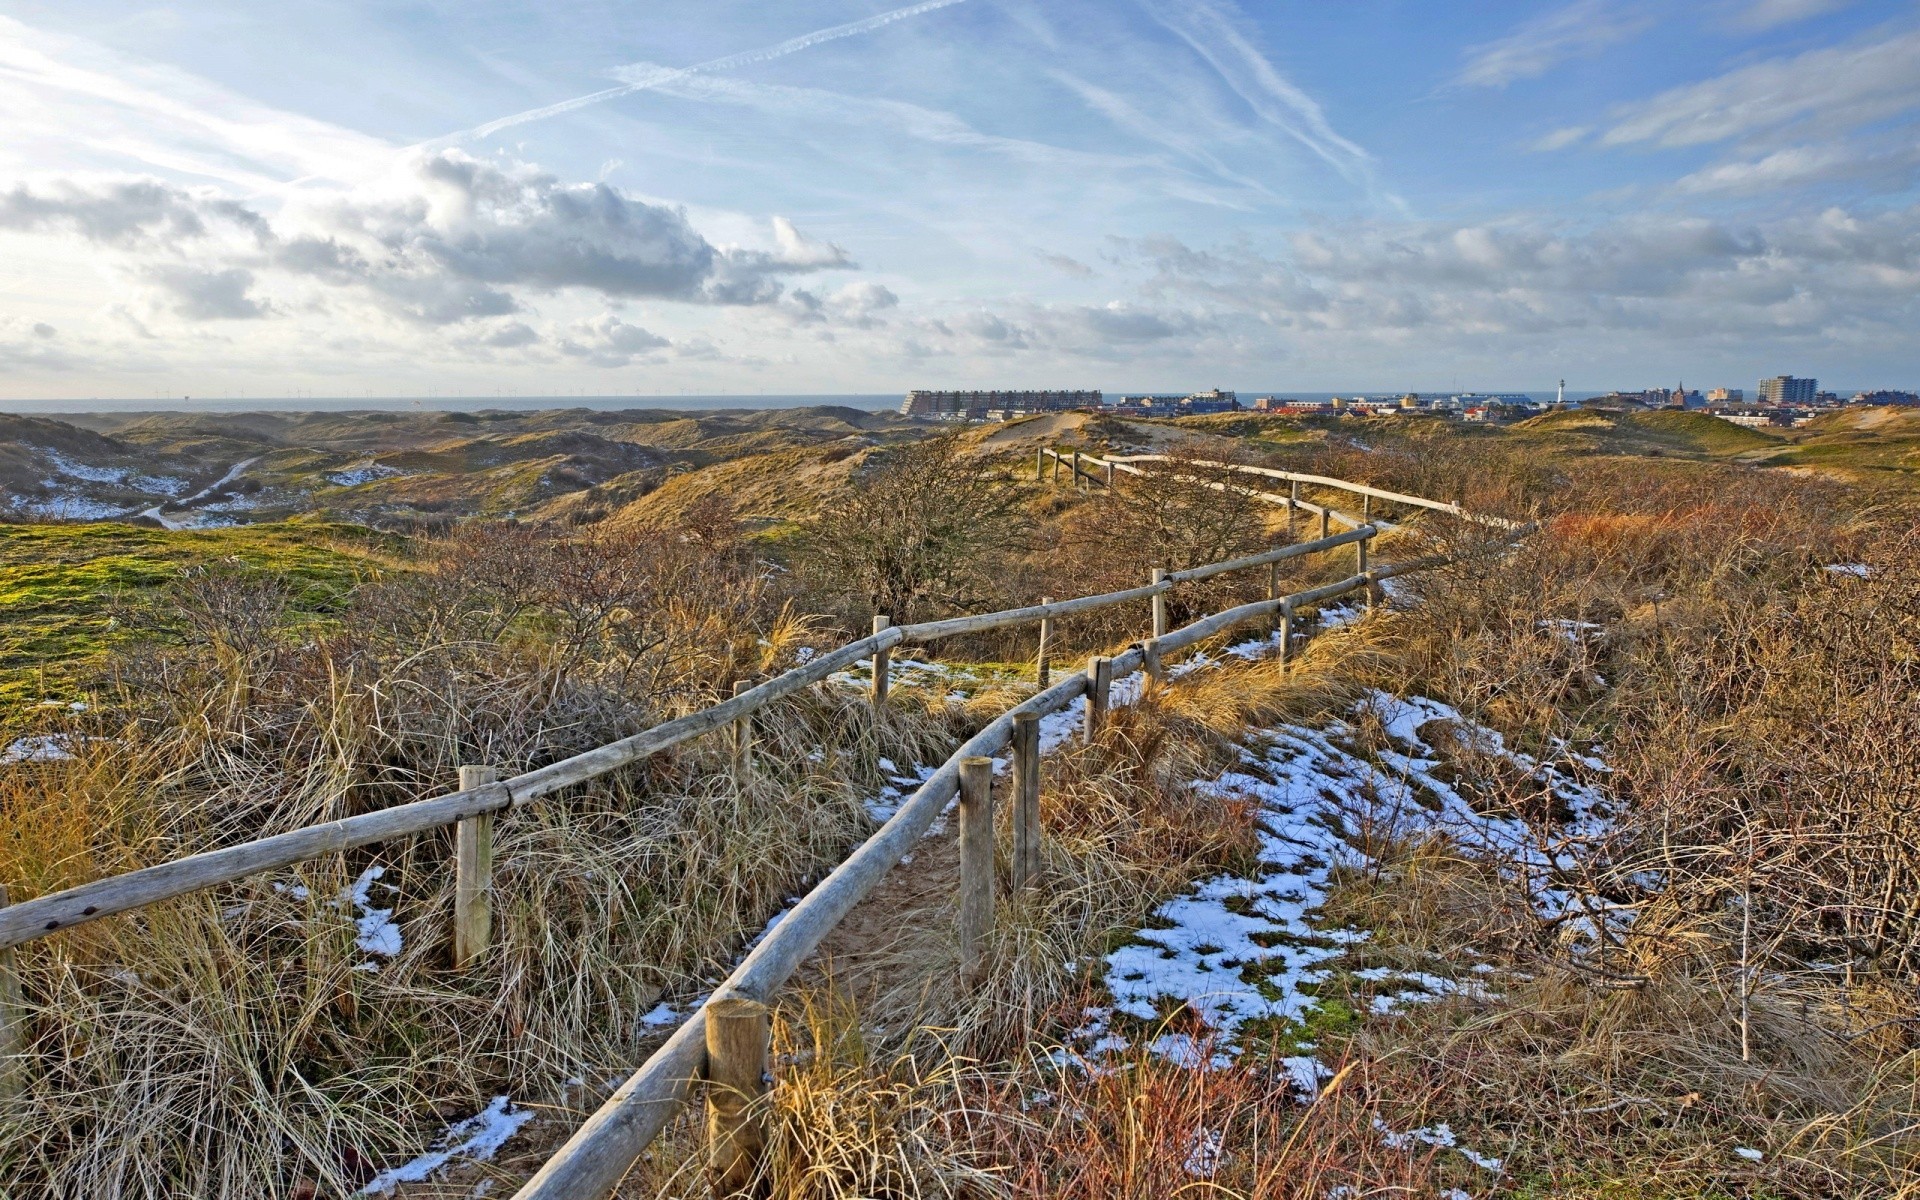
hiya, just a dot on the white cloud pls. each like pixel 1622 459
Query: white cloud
pixel 1579 30
pixel 1760 15
pixel 202 295
pixel 1068 265
pixel 1799 166
pixel 643 76
pixel 608 341
pixel 1216 35
pixel 1662 280
pixel 443 238
pixel 1560 139
pixel 124 212
pixel 72 105
pixel 858 305
pixel 1829 90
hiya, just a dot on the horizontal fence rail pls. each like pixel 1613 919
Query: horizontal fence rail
pixel 1328 481
pixel 605 1147
pixel 607 1144
pixel 1292 501
pixel 77 905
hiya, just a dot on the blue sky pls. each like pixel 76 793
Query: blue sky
pixel 832 195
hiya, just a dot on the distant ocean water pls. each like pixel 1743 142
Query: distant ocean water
pixel 869 401
pixel 696 403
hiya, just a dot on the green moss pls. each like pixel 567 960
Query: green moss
pixel 65 588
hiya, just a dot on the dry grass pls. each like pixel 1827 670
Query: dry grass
pixel 1757 711
pixel 239 1042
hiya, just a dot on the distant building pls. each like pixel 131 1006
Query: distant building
pixel 983 406
pixel 1786 389
pixel 1727 396
pixel 1884 396
pixel 1211 401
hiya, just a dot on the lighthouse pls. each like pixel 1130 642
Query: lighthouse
pixel 1561 399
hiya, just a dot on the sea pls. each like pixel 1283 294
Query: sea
pixel 682 402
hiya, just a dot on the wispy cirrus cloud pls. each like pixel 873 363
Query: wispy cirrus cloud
pixel 1215 33
pixel 1831 89
pixel 1761 15
pixel 1578 30
pixel 640 77
pixel 69 101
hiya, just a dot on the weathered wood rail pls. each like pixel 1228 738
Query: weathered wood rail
pixel 602 1150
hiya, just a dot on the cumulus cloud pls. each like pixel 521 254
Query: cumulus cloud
pixel 1832 275
pixel 859 305
pixel 200 295
pixel 510 336
pixel 1578 30
pixel 1067 266
pixel 126 213
pixel 447 238
pixel 29 344
pixel 608 341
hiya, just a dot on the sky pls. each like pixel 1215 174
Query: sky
pixel 227 198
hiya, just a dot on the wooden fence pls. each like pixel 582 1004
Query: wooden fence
pixel 602 1150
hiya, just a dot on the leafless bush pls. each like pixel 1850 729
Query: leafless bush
pixel 923 530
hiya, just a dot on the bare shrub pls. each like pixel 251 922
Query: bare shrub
pixel 923 530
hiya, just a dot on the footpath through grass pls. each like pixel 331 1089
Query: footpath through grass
pixel 69 594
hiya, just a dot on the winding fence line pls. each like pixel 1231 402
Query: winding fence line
pixel 730 1046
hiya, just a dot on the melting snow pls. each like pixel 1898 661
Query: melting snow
pixel 1439 1136
pixel 362 473
pixel 377 932
pixel 1236 948
pixel 478 1137
pixel 46 747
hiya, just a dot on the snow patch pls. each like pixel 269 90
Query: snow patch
pixel 377 932
pixel 361 473
pixel 45 747
pixel 478 1137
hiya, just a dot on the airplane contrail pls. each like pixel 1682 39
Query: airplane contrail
pixel 662 77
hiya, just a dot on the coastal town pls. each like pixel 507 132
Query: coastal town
pixel 1780 400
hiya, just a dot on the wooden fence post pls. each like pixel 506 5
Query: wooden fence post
pixel 473 874
pixel 1056 467
pixel 1159 604
pixel 1109 467
pixel 1360 560
pixel 1039 465
pixel 1273 584
pixel 742 735
pixel 976 861
pixel 1043 670
pixel 738 1032
pixel 1026 800
pixel 881 660
pixel 1293 511
pixel 1326 519
pixel 1366 509
pixel 1286 631
pixel 1099 684
pixel 1077 484
pixel 13 1021
pixel 1152 662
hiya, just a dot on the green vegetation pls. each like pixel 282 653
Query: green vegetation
pixel 71 593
